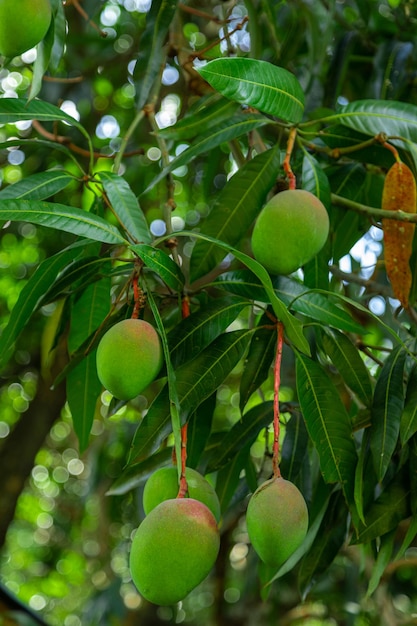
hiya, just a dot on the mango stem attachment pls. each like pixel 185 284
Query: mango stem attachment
pixel 183 489
pixel 286 162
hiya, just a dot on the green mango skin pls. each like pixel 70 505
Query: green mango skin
pixel 23 24
pixel 173 550
pixel 290 230
pixel 276 520
pixel 163 485
pixel 129 357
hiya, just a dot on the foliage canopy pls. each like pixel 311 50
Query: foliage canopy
pixel 139 143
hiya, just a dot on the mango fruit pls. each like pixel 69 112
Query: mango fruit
pixel 129 357
pixel 277 520
pixel 290 230
pixel 23 24
pixel 173 550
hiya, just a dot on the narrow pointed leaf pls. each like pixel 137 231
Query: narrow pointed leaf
pixel 315 180
pixel 317 306
pixel 388 510
pixel 195 381
pixel 85 269
pixel 293 326
pixel 126 206
pixel 236 126
pixel 235 210
pixel 409 538
pixel 228 478
pixel 61 217
pixel 327 543
pixel 158 261
pixel 349 363
pixel 385 552
pixel 372 117
pixel 294 447
pixel 135 475
pixel 259 84
pixel 202 120
pixel 18 109
pixel 198 330
pixel 38 186
pixel 243 433
pixel 176 412
pixel 31 298
pixel 408 424
pixel 83 385
pixel 258 361
pixel 327 423
pixel 152 47
pixel 199 429
pixel 387 409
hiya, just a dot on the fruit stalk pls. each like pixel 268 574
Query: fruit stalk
pixel 183 487
pixel 286 163
pixel 136 297
pixel 277 384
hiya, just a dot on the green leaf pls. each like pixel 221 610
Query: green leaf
pixel 39 68
pixel 83 389
pixel 158 261
pixel 38 186
pixel 349 363
pixel 242 434
pixel 349 182
pixel 31 298
pixel 76 275
pixel 385 552
pixel 327 423
pixel 202 120
pixel 293 326
pixel 14 110
pixel 409 538
pixel 199 429
pixel 315 305
pixel 327 543
pixel 372 117
pixel 176 411
pixel 360 474
pixel 152 47
pixel 294 447
pixel 60 32
pixel 135 475
pixel 196 380
pixel 259 84
pixel 387 408
pixel 318 305
pixel 42 143
pixel 61 217
pixel 236 208
pixel 83 386
pixel 408 423
pixel 126 207
pixel 198 330
pixel 386 512
pixel 314 179
pixel 228 478
pixel 258 361
pixel 236 126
